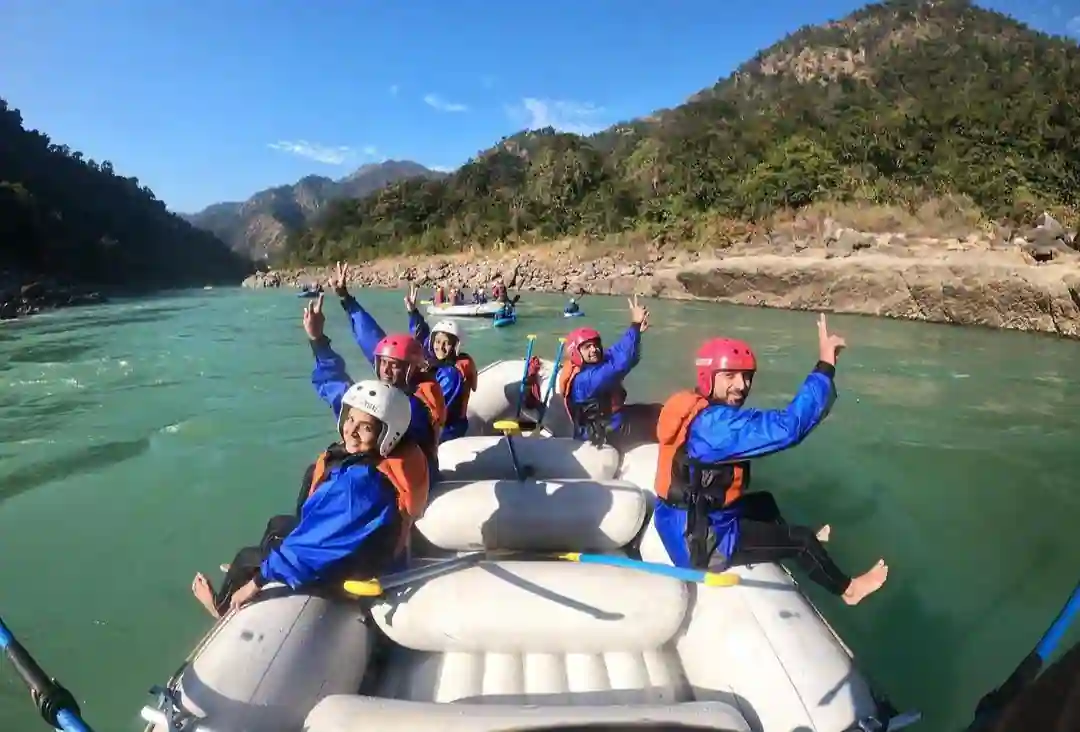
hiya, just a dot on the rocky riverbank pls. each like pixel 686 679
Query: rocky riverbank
pixel 1017 279
pixel 21 295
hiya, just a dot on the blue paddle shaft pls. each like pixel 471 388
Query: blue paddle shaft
pixel 38 682
pixel 680 573
pixel 1057 629
pixel 524 376
pixel 994 703
pixel 551 384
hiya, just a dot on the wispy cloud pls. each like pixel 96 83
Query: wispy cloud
pixel 370 151
pixel 582 118
pixel 441 168
pixel 394 89
pixel 1073 26
pixel 436 102
pixel 314 151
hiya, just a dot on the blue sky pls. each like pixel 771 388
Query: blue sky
pixel 211 101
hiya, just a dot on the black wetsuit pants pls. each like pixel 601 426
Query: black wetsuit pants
pixel 764 536
pixel 245 565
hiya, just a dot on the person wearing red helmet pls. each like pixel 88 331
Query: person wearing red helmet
pixel 452 368
pixel 397 359
pixel 593 390
pixel 703 514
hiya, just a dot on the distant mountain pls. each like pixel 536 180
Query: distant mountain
pixel 259 226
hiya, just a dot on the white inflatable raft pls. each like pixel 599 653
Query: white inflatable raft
pixel 506 643
pixel 483 310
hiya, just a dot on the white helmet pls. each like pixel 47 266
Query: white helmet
pixel 386 403
pixel 448 327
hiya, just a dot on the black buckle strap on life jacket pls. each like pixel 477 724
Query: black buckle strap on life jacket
pixel 699 488
pixel 698 530
pixel 693 481
pixel 594 417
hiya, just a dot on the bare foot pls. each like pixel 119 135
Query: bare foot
pixel 823 533
pixel 204 593
pixel 867 584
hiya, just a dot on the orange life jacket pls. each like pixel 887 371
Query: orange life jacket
pixel 671 432
pixel 467 367
pixel 431 396
pixel 407 470
pixel 608 402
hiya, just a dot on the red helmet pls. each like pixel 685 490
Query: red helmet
pixel 400 347
pixel 722 354
pixel 577 338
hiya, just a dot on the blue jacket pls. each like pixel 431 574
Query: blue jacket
pixel 354 510
pixel 607 376
pixel 451 380
pixel 720 433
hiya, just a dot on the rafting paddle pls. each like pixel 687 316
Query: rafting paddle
pixel 376 587
pixel 55 703
pixel 525 376
pixel 551 384
pixel 699 576
pixel 509 428
pixel 994 703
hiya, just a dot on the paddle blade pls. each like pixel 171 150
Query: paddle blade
pixel 721 579
pixel 530 337
pixel 363 588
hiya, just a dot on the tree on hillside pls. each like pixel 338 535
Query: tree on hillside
pixel 898 102
pixel 64 215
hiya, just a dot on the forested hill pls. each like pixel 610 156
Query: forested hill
pixel 75 219
pixel 895 103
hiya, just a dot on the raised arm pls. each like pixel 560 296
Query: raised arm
pixel 329 376
pixel 723 433
pixel 365 329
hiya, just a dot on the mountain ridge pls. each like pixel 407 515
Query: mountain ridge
pixel 851 111
pixel 259 225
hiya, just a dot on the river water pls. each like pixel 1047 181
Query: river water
pixel 143 441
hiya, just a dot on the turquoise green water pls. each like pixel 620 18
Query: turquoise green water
pixel 143 441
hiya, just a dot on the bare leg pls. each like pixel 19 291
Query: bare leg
pixel 823 533
pixel 866 584
pixel 204 593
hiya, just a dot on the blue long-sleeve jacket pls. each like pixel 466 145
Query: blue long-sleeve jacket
pixel 607 375
pixel 448 375
pixel 343 517
pixel 720 433
pixel 329 376
pixel 365 329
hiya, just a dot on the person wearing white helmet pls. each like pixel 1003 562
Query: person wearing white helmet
pixel 359 500
pixel 453 369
